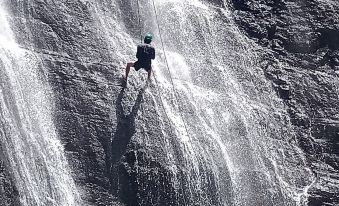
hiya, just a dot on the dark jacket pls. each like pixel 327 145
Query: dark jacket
pixel 145 53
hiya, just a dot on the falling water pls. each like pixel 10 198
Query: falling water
pixel 27 133
pixel 234 130
pixel 239 145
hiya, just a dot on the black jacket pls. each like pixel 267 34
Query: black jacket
pixel 145 53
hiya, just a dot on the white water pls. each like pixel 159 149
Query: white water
pixel 237 130
pixel 27 133
pixel 239 145
pixel 235 133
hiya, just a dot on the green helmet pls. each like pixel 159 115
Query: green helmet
pixel 148 37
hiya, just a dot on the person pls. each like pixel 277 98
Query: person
pixel 145 54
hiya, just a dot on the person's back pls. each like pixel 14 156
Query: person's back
pixel 145 54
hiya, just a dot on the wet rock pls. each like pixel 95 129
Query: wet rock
pixel 106 130
pixel 61 35
pixel 9 195
pixel 303 37
pixel 98 121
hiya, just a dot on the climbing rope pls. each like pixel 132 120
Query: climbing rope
pixel 167 65
pixel 171 79
pixel 168 68
pixel 139 17
pixel 166 62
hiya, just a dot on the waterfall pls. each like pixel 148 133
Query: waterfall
pixel 233 128
pixel 238 143
pixel 232 141
pixel 27 133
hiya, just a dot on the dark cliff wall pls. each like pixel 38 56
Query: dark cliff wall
pixel 61 33
pixel 300 41
pixel 104 128
pixel 8 191
pixel 94 115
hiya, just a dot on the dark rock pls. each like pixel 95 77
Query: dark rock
pixel 96 117
pixel 9 195
pixel 303 36
pixel 105 127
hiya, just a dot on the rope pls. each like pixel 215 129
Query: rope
pixel 167 66
pixel 162 42
pixel 170 74
pixel 139 17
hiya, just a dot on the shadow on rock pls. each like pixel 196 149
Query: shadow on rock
pixel 124 131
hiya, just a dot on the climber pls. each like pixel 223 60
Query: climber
pixel 145 54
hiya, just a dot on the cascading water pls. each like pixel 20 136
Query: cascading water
pixel 237 137
pixel 238 145
pixel 233 141
pixel 28 135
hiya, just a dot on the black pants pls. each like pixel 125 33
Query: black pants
pixel 140 64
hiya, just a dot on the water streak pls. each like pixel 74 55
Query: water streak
pixel 238 129
pixel 234 133
pixel 28 134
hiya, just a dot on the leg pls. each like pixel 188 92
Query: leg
pixel 149 74
pixel 128 68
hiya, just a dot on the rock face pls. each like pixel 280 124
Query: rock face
pixel 61 34
pixel 8 191
pixel 106 129
pixel 300 41
pixel 95 116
